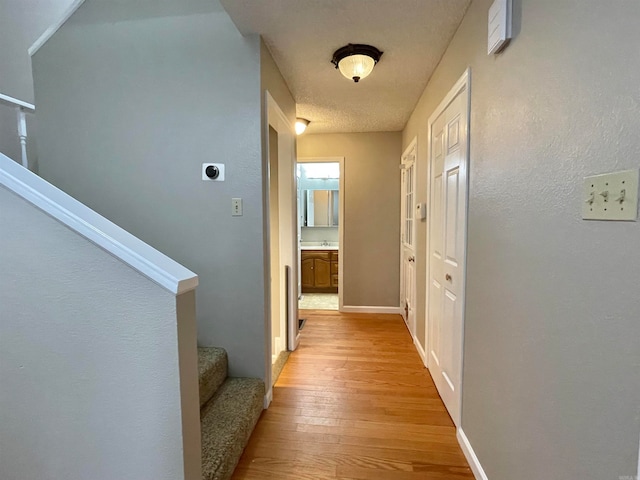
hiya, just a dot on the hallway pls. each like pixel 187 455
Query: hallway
pixel 354 402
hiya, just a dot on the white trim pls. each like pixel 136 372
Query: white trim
pixel 50 32
pixel 14 102
pixel 341 191
pixel 404 165
pixel 470 455
pixel 372 309
pixel 277 120
pixel 462 83
pixel 421 352
pixel 94 227
pixel 268 398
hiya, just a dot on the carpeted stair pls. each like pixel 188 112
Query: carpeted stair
pixel 229 411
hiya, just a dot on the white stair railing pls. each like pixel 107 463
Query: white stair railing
pixel 22 108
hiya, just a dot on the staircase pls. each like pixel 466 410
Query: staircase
pixel 229 411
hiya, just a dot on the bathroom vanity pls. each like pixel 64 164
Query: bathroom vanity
pixel 319 270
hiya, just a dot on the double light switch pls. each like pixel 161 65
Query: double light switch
pixel 611 196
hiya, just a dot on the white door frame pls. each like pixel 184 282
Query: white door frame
pixel 341 200
pixel 463 83
pixel 413 146
pixel 276 119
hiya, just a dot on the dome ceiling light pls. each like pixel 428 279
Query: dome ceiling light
pixel 356 61
pixel 301 125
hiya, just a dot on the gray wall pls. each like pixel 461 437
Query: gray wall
pixel 552 354
pixel 372 212
pixel 89 362
pixel 132 99
pixel 21 23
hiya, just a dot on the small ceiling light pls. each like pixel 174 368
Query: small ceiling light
pixel 301 125
pixel 356 61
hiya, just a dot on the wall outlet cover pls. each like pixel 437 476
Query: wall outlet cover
pixel 611 196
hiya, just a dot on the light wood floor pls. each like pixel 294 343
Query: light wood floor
pixel 354 402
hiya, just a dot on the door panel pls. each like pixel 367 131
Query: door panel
pixel 435 320
pixel 451 219
pixel 447 249
pixel 322 273
pixel 307 272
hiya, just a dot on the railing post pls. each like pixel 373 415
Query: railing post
pixel 22 133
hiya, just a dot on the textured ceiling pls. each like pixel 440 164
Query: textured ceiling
pixel 303 34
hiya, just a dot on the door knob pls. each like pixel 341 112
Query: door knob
pixel 448 277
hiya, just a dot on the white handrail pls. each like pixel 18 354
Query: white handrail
pixel 44 38
pixel 21 109
pixel 78 217
pixel 14 102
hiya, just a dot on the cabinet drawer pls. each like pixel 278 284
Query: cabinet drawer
pixel 334 267
pixel 322 255
pixel 334 256
pixel 334 280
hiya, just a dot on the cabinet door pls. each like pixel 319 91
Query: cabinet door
pixel 307 272
pixel 322 273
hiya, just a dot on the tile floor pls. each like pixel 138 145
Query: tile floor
pixel 318 301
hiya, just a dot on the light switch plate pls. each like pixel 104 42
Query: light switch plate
pixel 236 207
pixel 611 196
pixel 499 25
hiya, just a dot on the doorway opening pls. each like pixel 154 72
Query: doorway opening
pixel 320 209
pixel 281 301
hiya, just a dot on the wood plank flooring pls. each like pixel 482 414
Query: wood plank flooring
pixel 354 402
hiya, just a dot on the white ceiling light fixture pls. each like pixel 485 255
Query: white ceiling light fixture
pixel 301 125
pixel 356 61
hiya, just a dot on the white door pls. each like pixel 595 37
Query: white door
pixel 447 245
pixel 407 245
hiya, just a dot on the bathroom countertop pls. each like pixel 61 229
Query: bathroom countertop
pixel 319 247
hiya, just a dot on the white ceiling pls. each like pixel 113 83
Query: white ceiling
pixel 303 34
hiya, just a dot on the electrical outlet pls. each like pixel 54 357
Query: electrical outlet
pixel 611 196
pixel 236 207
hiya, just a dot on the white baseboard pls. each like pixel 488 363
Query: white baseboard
pixel 365 309
pixel 421 351
pixel 268 397
pixel 467 449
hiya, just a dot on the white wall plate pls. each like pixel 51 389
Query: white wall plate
pixel 220 168
pixel 611 196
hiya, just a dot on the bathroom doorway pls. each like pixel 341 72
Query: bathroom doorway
pixel 320 203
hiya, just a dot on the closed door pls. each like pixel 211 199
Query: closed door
pixel 447 248
pixel 407 246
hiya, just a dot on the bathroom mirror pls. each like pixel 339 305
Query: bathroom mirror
pixel 321 208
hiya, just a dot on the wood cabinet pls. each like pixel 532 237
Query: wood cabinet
pixel 319 271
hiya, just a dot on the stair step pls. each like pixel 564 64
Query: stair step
pixel 212 371
pixel 227 421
